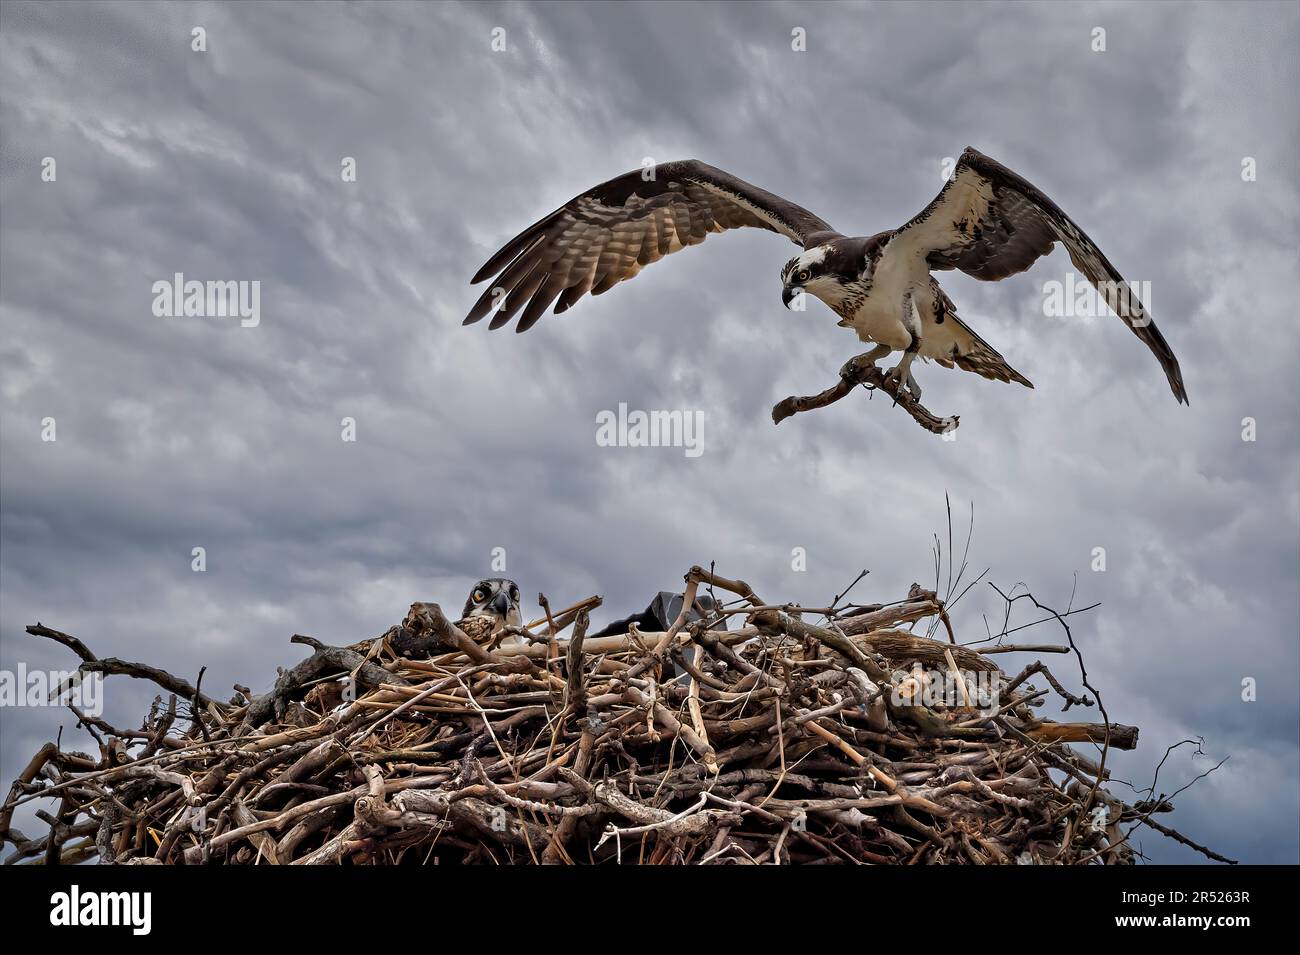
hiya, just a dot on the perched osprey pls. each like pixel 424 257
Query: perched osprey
pixel 986 221
pixel 493 605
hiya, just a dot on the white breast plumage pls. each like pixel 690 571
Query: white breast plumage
pixel 879 318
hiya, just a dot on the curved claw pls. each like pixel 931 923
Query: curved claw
pixel 900 376
pixel 852 368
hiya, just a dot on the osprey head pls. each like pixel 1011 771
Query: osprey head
pixel 817 272
pixel 495 597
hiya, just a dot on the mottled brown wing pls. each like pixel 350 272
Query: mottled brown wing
pixel 478 629
pixel 414 636
pixel 990 222
pixel 609 233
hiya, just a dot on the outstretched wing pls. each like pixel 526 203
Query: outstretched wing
pixel 610 232
pixel 990 223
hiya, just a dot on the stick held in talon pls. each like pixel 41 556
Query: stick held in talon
pixel 862 370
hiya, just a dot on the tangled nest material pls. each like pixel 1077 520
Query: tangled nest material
pixel 781 741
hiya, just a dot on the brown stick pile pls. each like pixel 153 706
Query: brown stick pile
pixel 782 741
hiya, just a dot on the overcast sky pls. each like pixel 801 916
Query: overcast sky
pixel 176 433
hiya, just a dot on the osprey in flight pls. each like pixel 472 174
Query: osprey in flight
pixel 986 221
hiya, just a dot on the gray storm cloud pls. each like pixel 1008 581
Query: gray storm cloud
pixel 182 432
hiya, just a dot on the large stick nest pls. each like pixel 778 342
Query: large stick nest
pixel 780 740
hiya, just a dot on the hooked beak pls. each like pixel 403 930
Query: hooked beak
pixel 500 604
pixel 788 293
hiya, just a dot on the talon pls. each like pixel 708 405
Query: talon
pixel 900 376
pixel 856 367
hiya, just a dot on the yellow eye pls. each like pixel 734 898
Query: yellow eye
pixel 479 596
pixel 804 275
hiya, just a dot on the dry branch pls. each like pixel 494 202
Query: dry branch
pixel 857 373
